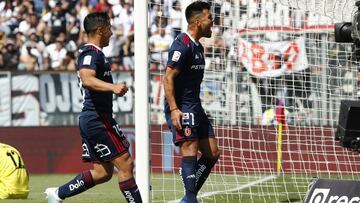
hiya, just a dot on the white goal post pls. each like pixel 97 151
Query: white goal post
pixel 141 71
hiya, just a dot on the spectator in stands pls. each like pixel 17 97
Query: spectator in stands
pixel 217 11
pixel 102 6
pixel 160 22
pixel 73 26
pixel 55 53
pixel 10 54
pixel 176 18
pixel 30 55
pixel 1 58
pixel 69 62
pixel 29 23
pixel 126 19
pixel 225 14
pixel 214 50
pixel 154 12
pixel 159 45
pixel 26 7
pixel 7 15
pixel 2 49
pixel 83 8
pixel 129 45
pixel 56 20
pixel 50 18
pixel 128 51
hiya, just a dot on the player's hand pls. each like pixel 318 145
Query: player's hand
pixel 176 118
pixel 120 89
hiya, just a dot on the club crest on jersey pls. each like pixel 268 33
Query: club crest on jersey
pixel 176 56
pixel 187 131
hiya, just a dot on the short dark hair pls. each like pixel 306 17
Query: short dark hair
pixel 196 8
pixel 95 20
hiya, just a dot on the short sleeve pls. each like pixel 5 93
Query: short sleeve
pixel 178 55
pixel 88 60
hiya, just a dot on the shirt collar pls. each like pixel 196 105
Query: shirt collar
pixel 94 46
pixel 192 39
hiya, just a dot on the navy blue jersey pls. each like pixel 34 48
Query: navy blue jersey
pixel 92 57
pixel 186 56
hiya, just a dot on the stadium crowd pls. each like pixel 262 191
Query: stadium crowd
pixel 43 35
pixel 38 35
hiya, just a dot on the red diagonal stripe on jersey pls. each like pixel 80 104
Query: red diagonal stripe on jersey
pixel 109 131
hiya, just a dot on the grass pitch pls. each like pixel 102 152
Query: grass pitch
pixel 168 188
pixel 104 193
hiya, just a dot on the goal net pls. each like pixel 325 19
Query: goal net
pixel 273 84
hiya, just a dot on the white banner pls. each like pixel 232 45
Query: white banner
pixel 5 96
pixel 25 104
pixel 263 60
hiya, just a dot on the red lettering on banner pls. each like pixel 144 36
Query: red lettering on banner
pixel 258 64
pixel 243 57
pixel 291 55
pixel 274 61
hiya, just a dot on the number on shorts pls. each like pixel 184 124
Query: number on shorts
pixel 188 119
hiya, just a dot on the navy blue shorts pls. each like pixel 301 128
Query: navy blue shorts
pixel 195 125
pixel 102 138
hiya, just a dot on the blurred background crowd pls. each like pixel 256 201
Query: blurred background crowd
pixel 37 35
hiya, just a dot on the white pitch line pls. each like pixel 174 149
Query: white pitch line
pixel 207 194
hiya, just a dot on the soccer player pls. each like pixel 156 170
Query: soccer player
pixel 14 179
pixel 186 118
pixel 103 142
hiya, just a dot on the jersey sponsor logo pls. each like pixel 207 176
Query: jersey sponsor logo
pixel 87 60
pixel 102 149
pixel 78 184
pixel 198 67
pixel 176 56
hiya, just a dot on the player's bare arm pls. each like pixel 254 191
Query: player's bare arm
pixel 169 78
pixel 89 80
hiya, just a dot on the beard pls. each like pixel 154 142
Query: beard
pixel 207 33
